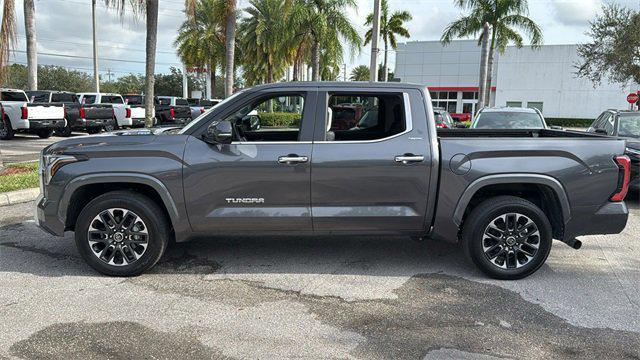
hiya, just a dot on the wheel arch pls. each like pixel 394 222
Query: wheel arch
pixel 545 191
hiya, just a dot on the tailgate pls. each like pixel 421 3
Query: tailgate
pixel 137 112
pixel 98 112
pixel 182 112
pixel 45 112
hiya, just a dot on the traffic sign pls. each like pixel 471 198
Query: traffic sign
pixel 633 98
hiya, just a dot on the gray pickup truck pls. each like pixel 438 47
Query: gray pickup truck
pixel 269 160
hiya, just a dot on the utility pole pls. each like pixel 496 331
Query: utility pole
pixel 344 71
pixel 96 76
pixel 373 76
pixel 109 73
pixel 484 70
pixel 185 82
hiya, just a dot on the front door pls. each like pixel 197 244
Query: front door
pixel 374 175
pixel 261 181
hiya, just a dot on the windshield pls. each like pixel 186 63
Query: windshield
pixel 629 126
pixel 508 120
pixel 197 120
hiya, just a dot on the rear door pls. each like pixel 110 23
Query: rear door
pixel 375 176
pixel 261 181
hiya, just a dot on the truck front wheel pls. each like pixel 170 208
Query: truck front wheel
pixel 507 237
pixel 122 233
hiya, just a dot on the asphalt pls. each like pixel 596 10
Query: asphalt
pixel 25 147
pixel 289 297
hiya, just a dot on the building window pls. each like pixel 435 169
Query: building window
pixel 514 103
pixel 535 105
pixel 470 95
pixel 433 94
pixel 447 100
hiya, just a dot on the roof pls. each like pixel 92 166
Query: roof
pixel 510 109
pixel 338 84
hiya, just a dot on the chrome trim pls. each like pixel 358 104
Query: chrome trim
pixel 408 127
pixel 269 142
pixel 292 159
pixel 406 159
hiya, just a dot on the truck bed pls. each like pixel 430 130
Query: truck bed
pixel 515 133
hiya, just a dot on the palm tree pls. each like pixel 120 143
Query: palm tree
pixel 200 41
pixel 360 73
pixel 230 16
pixel 8 39
pixel 390 26
pixel 504 16
pixel 7 35
pixel 150 8
pixel 32 45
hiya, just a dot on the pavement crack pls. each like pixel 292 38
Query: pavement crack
pixel 33 249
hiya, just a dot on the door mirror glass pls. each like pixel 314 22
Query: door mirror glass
pixel 219 132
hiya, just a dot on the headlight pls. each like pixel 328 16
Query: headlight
pixel 51 163
pixel 635 152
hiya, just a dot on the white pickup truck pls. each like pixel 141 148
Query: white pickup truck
pixel 121 111
pixel 22 116
pixel 136 104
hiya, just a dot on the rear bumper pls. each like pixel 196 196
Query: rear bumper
pixel 88 123
pixel 47 124
pixel 137 122
pixel 610 218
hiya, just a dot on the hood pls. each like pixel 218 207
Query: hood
pixel 113 141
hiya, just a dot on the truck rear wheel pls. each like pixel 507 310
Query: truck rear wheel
pixel 6 130
pixel 507 237
pixel 44 133
pixel 94 130
pixel 122 233
pixel 64 132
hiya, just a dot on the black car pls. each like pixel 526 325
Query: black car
pixel 624 124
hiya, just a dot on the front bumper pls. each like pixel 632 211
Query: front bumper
pixel 47 216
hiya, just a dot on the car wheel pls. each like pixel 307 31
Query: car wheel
pixel 6 130
pixel 109 127
pixel 44 133
pixel 64 132
pixel 94 130
pixel 507 237
pixel 122 233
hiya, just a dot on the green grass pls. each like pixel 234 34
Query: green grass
pixel 20 181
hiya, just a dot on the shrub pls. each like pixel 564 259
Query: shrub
pixel 279 119
pixel 583 123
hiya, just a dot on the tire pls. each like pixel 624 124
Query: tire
pixel 109 127
pixel 44 133
pixel 6 130
pixel 94 130
pixel 146 212
pixel 486 247
pixel 64 132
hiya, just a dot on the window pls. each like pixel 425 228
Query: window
pixel 535 105
pixel 164 101
pixel 63 97
pixel 470 95
pixel 276 118
pixel 508 120
pixel 182 102
pixel 514 103
pixel 38 96
pixel 608 125
pixel 364 117
pixel 629 125
pixel 134 99
pixel 13 96
pixel 447 100
pixel 111 99
pixel 89 99
pixel 193 101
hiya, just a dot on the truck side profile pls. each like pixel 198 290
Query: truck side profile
pixel 20 115
pixel 269 160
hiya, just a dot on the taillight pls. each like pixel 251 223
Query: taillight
pixel 441 126
pixel 1 114
pixel 128 113
pixel 25 113
pixel 624 173
pixel 201 110
pixel 81 114
pixel 64 108
pixel 172 113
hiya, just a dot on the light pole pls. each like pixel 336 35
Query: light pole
pixel 373 76
pixel 96 76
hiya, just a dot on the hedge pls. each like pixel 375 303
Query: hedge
pixel 564 122
pixel 279 119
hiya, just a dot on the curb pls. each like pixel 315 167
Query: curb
pixel 18 196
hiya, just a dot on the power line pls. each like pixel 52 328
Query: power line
pixel 90 58
pixel 103 46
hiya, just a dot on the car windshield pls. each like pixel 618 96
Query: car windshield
pixel 508 120
pixel 629 126
pixel 197 120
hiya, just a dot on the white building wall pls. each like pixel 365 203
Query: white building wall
pixel 547 75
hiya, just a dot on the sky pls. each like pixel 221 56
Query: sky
pixel 64 30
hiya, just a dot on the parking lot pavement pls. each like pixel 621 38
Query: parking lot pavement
pixel 25 147
pixel 369 298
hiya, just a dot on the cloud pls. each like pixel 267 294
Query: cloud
pixel 575 12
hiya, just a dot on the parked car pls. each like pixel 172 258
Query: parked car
pixel 625 124
pixel 209 103
pixel 91 118
pixel 121 111
pixel 504 197
pixel 138 112
pixel 22 116
pixel 509 118
pixel 172 110
pixel 196 108
pixel 443 118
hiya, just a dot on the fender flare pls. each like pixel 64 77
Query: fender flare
pixel 515 178
pixel 135 178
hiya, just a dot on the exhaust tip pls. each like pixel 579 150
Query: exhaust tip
pixel 577 244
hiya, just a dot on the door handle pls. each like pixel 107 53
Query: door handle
pixel 292 159
pixel 409 158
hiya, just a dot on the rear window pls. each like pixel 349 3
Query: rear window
pixel 207 103
pixel 63 97
pixel 38 96
pixel 109 99
pixel 508 120
pixel 193 102
pixel 164 101
pixel 89 99
pixel 13 96
pixel 629 126
pixel 182 102
pixel 134 99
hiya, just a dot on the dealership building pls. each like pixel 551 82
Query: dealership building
pixel 542 77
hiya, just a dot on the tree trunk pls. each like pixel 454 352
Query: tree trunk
pixel 385 69
pixel 315 61
pixel 492 48
pixel 32 47
pixel 295 69
pixel 152 37
pixel 482 81
pixel 212 69
pixel 269 73
pixel 230 47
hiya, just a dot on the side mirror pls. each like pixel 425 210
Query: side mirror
pixel 219 132
pixel 600 131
